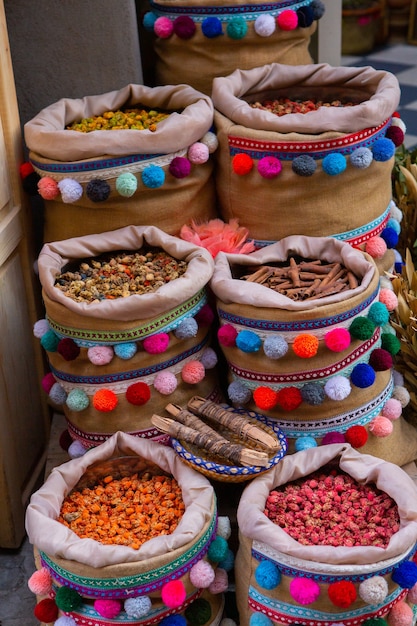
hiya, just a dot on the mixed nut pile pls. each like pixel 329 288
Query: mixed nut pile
pixel 120 276
pixel 133 119
pixel 330 508
pixel 284 106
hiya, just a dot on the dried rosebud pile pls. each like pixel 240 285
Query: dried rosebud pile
pixel 119 276
pixel 331 508
pixel 284 106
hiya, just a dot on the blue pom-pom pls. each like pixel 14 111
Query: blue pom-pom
pixel 305 443
pixel 238 393
pixel 304 165
pixel 149 20
pixel 248 341
pixel 228 562
pixel 211 27
pixel 362 376
pixel 173 620
pixel 394 224
pixel 275 346
pixel 259 619
pixel 187 329
pixel 378 314
pixel 361 158
pixel 398 262
pixel 237 28
pixel 267 575
pixel 390 236
pixel 319 9
pixel 383 149
pixel 405 575
pixel 313 393
pixel 305 16
pixel 334 164
pixel 125 350
pixel 153 176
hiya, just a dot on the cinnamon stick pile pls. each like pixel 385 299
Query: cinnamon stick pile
pixel 305 280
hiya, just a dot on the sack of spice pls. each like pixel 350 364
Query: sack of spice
pixel 101 169
pixel 118 356
pixel 328 536
pixel 321 170
pixel 81 525
pixel 195 42
pixel 308 349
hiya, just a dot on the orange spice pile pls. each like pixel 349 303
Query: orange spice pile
pixel 126 511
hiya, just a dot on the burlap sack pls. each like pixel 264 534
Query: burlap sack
pixel 351 205
pixel 207 53
pixel 248 306
pixel 96 570
pixel 126 320
pixel 62 154
pixel 261 539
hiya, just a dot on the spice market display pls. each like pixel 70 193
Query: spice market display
pixel 216 275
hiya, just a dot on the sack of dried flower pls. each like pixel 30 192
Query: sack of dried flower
pixel 120 356
pixel 316 354
pixel 86 556
pixel 325 171
pixel 98 179
pixel 361 564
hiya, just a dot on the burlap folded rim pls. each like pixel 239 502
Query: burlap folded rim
pixel 364 468
pixel 378 92
pixel 55 539
pixel 46 133
pixel 54 256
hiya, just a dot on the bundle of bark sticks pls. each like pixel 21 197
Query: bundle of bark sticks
pixel 228 435
pixel 304 279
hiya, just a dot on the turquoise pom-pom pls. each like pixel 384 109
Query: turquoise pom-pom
pixel 228 562
pixel 378 314
pixel 259 619
pixel 149 20
pixel 248 341
pixel 267 575
pixel 237 28
pixel 334 164
pixel 218 549
pixel 153 176
pixel 126 184
pixel 49 341
pixel 305 443
pixel 125 350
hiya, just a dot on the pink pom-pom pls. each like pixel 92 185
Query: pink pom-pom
pixel 156 344
pixel 40 583
pixel 376 247
pixel 100 355
pixel 193 372
pixel 198 153
pixel 48 188
pixel 392 409
pixel 337 339
pixel 304 590
pixel 107 608
pixel 389 298
pixel 269 167
pixel 381 426
pixel 163 27
pixel 48 381
pixel 287 20
pixel 220 582
pixel 333 437
pixel 412 595
pixel 165 382
pixel 173 594
pixel 401 614
pixel 202 574
pixel 227 335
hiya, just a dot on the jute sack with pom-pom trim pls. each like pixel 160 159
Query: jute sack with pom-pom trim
pixel 335 194
pixel 261 541
pixel 166 200
pixel 118 572
pixel 131 320
pixel 224 36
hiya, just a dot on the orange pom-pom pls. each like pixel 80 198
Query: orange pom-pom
pixel 305 346
pixel 105 400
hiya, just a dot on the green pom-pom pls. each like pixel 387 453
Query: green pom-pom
pixel 375 621
pixel 237 28
pixel 126 184
pixel 218 549
pixel 50 341
pixel 199 612
pixel 390 343
pixel 68 599
pixel 378 313
pixel 362 328
pixel 77 400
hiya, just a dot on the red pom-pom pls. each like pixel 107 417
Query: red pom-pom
pixel 184 27
pixel 205 316
pixel 357 436
pixel 138 394
pixel 342 593
pixel 380 360
pixel 242 164
pixel 46 611
pixel 396 134
pixel 25 169
pixel 68 349
pixel 65 440
pixel 287 20
pixel 265 398
pixel 289 398
pixel 105 400
pixel 227 335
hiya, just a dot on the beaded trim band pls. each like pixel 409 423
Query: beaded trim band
pixel 296 614
pixel 165 323
pixel 139 584
pixel 94 439
pixel 225 13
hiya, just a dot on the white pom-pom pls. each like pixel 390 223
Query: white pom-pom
pixel 265 25
pixel 224 528
pixel 76 450
pixel 211 141
pixel 397 121
pixel 337 388
pixel 70 189
pixel 40 328
pixel 373 590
